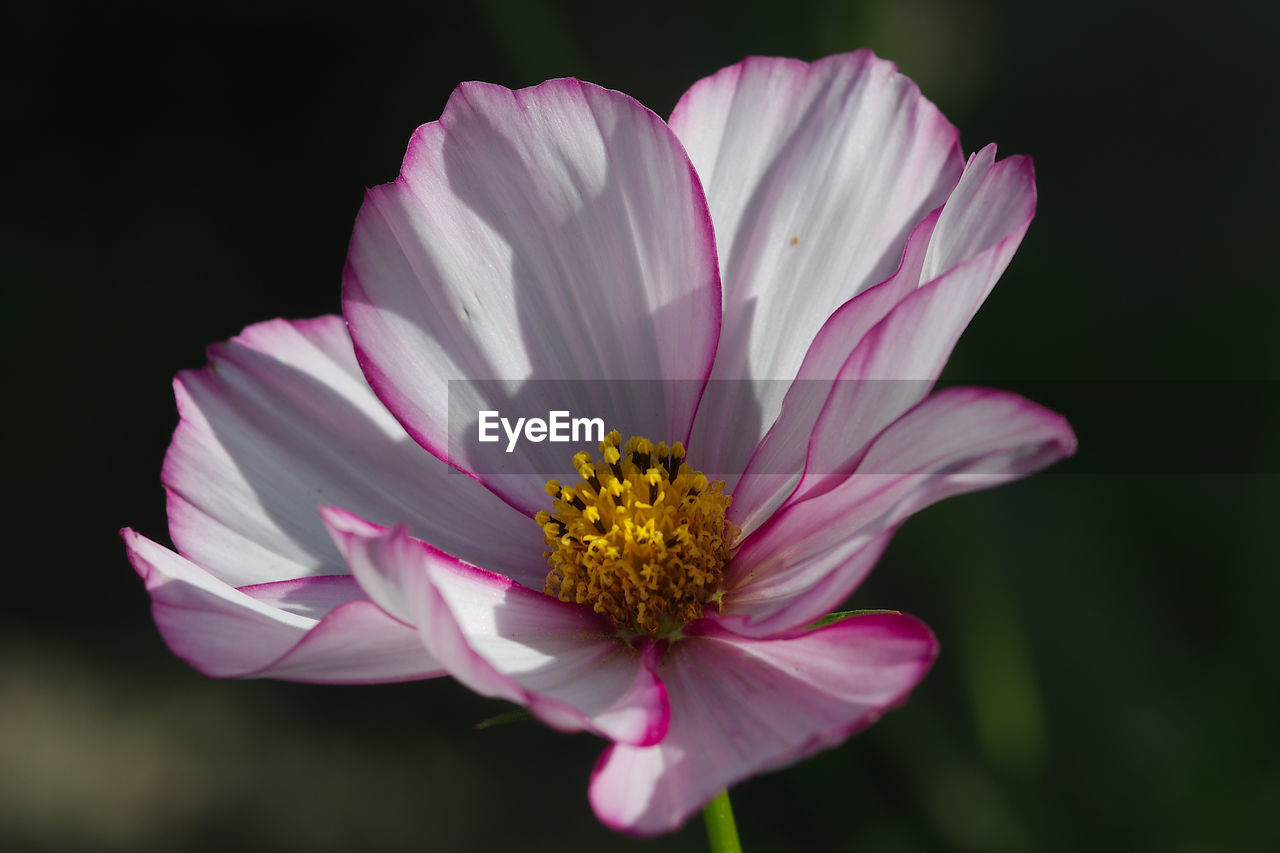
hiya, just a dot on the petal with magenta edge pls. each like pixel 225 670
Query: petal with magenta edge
pixel 562 661
pixel 741 707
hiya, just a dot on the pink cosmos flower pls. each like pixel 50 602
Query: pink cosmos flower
pixel 809 223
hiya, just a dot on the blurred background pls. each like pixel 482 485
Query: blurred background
pixel 1108 673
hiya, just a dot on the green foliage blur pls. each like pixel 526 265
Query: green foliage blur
pixel 1108 674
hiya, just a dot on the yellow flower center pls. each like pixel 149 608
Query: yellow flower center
pixel 642 538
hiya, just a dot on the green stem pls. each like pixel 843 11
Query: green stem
pixel 722 832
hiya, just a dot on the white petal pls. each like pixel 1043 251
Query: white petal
pixel 888 345
pixel 312 629
pixel 779 460
pixel 549 234
pixel 741 707
pixel 810 555
pixel 896 363
pixel 561 660
pixel 282 421
pixel 815 174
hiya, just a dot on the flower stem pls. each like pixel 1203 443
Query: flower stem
pixel 722 832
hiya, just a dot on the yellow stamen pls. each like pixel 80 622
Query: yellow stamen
pixel 642 539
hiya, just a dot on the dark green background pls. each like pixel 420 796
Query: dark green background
pixel 1108 674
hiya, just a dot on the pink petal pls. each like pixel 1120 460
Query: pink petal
pixel 740 707
pixel 553 233
pixel 815 174
pixel 562 661
pixel 282 421
pixel 309 596
pixel 955 256
pixel 896 363
pixel 314 629
pixel 810 555
pixel 778 461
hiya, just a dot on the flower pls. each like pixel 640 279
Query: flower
pixel 562 233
